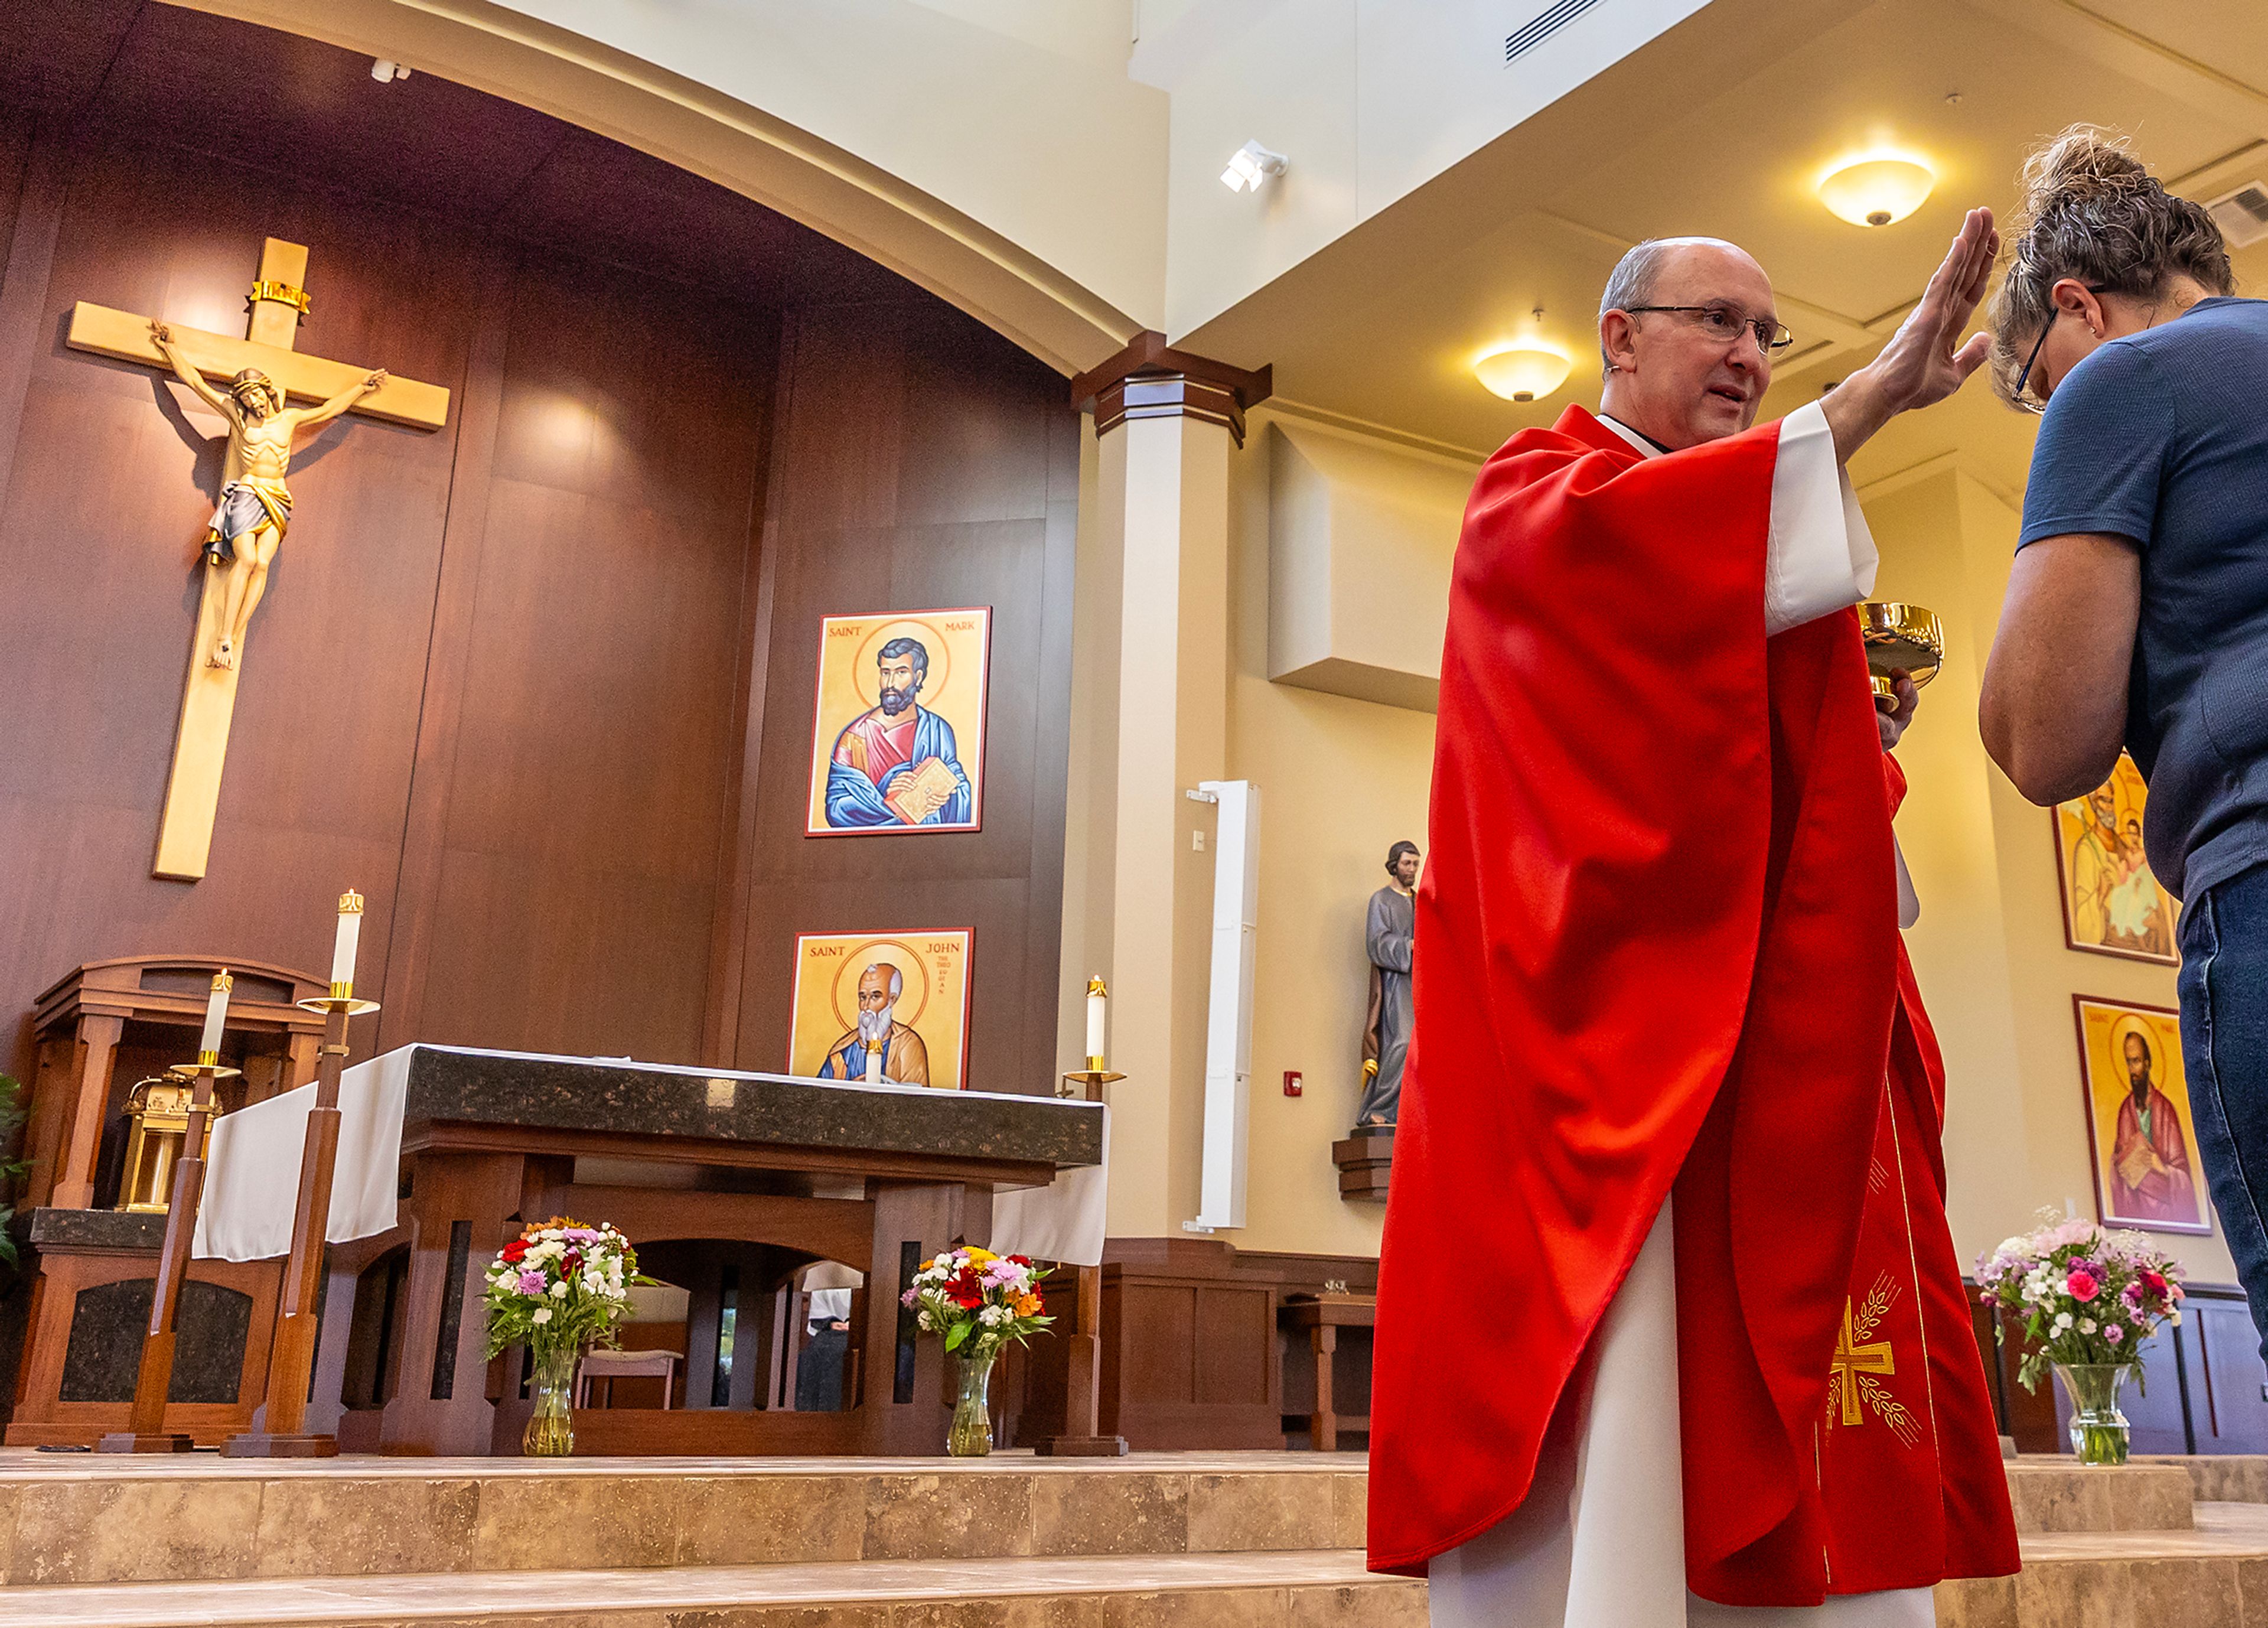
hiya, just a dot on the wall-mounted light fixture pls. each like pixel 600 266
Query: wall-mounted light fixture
pixel 1249 166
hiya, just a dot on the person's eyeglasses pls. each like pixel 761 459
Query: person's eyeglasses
pixel 1725 323
pixel 2039 403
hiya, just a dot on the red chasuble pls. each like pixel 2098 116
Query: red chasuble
pixel 1657 948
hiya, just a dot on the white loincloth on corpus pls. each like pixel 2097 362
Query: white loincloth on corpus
pixel 1600 1541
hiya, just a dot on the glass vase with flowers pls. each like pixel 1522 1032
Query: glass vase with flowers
pixel 2088 1300
pixel 979 1301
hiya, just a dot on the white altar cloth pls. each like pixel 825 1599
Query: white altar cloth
pixel 251 1171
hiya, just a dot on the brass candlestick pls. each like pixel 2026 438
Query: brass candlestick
pixel 291 1356
pixel 1082 1341
pixel 1086 1082
pixel 145 1429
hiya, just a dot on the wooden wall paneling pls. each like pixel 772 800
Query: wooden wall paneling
pixel 325 726
pixel 1051 758
pixel 34 222
pixel 538 684
pixel 15 152
pixel 921 462
pixel 493 278
pixel 2228 1385
pixel 2156 1407
pixel 720 1030
pixel 594 759
pixel 53 57
pixel 1236 1345
pixel 1191 1356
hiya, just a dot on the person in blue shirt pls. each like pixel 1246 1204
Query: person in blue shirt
pixel 2137 612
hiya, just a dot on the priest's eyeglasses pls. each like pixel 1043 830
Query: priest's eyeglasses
pixel 1725 323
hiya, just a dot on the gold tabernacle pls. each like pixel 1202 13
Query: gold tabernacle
pixel 1901 638
pixel 158 1121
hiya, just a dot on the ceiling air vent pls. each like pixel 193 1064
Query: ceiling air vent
pixel 2242 215
pixel 1553 18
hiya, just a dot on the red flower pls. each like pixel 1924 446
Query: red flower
pixel 571 1263
pixel 2083 1285
pixel 968 1303
pixel 516 1251
pixel 1019 1260
pixel 2155 1282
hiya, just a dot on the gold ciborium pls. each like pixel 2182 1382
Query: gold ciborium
pixel 1900 638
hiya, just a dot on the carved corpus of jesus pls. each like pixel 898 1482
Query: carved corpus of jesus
pixel 256 506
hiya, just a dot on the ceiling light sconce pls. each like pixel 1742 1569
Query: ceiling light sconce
pixel 1527 371
pixel 386 70
pixel 1250 165
pixel 1876 189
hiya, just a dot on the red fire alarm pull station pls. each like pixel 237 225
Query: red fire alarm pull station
pixel 1292 1082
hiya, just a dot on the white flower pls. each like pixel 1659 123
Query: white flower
pixel 2087 1325
pixel 2062 1322
pixel 2176 1319
pixel 543 1316
pixel 559 1292
pixel 992 1316
pixel 928 1323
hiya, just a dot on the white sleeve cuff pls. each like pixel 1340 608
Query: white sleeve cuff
pixel 1819 556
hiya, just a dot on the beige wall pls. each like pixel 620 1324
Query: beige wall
pixel 1342 779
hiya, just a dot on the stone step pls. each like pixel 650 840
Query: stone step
pixel 2215 1575
pixel 93 1518
pixel 2059 1495
pixel 1313 1589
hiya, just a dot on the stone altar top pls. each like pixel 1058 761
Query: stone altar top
pixel 604 1095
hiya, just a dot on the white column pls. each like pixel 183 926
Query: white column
pixel 1150 718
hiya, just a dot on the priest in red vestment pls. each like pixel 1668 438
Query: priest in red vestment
pixel 1670 1326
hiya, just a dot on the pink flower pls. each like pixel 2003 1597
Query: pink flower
pixel 2112 1332
pixel 910 1298
pixel 531 1283
pixel 2083 1285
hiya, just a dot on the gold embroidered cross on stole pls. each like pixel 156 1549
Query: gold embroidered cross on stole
pixel 1861 1363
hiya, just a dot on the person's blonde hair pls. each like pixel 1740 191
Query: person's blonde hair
pixel 2092 211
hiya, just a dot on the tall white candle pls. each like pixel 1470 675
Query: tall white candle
pixel 215 1017
pixel 874 1065
pixel 343 949
pixel 1098 999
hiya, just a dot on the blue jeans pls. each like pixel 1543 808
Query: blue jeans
pixel 2224 935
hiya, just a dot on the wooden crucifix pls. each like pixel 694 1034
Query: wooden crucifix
pixel 260 374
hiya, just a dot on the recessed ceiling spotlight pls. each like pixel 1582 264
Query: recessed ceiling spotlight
pixel 1250 165
pixel 1526 371
pixel 386 70
pixel 1876 189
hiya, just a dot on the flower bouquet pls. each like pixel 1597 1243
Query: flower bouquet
pixel 2088 1300
pixel 559 1288
pixel 979 1301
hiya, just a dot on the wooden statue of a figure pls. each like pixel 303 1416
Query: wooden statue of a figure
pixel 255 506
pixel 1386 1032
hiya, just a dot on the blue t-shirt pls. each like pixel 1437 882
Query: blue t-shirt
pixel 2162 437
